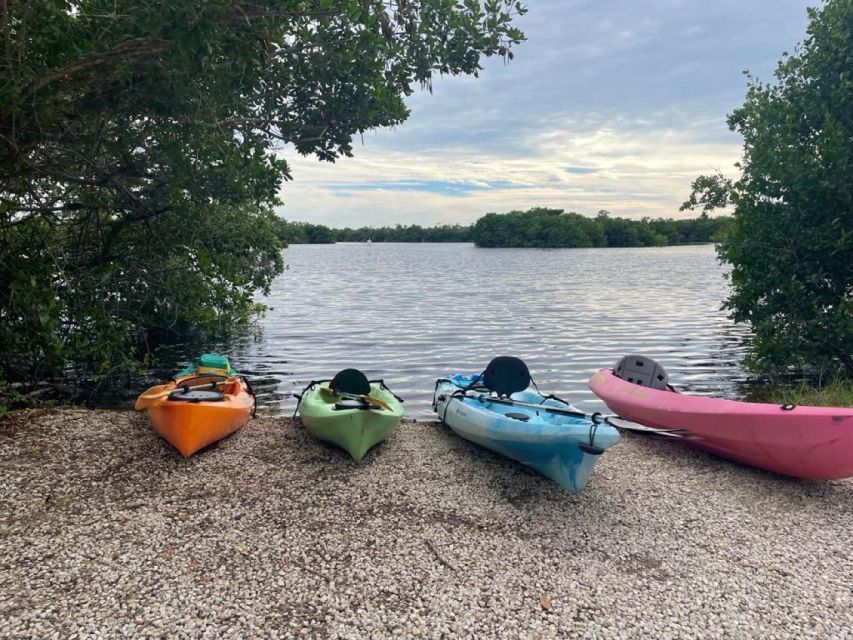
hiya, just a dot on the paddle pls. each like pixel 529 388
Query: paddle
pixel 621 423
pixel 160 391
pixel 376 402
pixel 529 405
pixel 626 424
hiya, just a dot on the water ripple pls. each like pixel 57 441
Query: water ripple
pixel 410 313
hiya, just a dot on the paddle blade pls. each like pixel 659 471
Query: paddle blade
pixel 376 402
pixel 153 394
pixel 621 423
pixel 373 400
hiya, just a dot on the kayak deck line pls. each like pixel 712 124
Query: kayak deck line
pixel 556 439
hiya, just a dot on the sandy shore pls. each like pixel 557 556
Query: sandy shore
pixel 105 532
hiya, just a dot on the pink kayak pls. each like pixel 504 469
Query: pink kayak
pixel 806 442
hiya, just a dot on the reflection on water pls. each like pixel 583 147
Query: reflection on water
pixel 410 313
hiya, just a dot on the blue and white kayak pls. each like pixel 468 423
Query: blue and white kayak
pixel 538 431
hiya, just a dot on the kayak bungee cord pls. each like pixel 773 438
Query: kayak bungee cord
pixel 367 401
pixel 385 387
pixel 252 393
pixel 461 393
pixel 308 388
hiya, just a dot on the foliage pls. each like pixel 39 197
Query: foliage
pixel 712 192
pixel 552 228
pixel 303 233
pixel 791 243
pixel 138 151
pixel 838 393
pixel 169 276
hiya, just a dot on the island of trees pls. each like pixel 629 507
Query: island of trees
pixel 538 227
pixel 555 228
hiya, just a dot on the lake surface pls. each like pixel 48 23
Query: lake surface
pixel 410 313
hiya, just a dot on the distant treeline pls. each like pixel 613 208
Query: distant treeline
pixel 540 228
pixel 306 233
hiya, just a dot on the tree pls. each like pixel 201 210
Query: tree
pixel 139 150
pixel 791 242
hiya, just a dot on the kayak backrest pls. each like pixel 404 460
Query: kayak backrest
pixel 506 375
pixel 642 371
pixel 350 381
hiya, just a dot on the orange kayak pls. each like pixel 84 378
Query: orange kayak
pixel 195 410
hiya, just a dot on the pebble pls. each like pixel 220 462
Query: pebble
pixel 105 531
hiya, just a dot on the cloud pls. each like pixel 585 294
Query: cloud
pixel 630 168
pixel 582 170
pixel 609 105
pixel 446 187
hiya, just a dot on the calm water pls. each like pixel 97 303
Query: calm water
pixel 410 313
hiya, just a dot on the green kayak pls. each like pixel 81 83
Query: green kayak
pixel 353 416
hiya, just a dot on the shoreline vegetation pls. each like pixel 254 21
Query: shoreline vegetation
pixel 837 393
pixel 140 154
pixel 538 227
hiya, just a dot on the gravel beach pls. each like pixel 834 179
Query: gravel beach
pixel 105 531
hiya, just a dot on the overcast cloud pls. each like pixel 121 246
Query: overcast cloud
pixel 610 104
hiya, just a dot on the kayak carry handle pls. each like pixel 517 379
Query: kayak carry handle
pixel 591 449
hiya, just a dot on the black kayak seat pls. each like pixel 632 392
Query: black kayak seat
pixel 350 381
pixel 642 371
pixel 185 394
pixel 506 375
pixel 523 417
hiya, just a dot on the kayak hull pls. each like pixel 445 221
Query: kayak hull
pixel 805 442
pixel 549 443
pixel 355 431
pixel 191 426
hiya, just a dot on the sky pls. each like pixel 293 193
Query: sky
pixel 609 104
